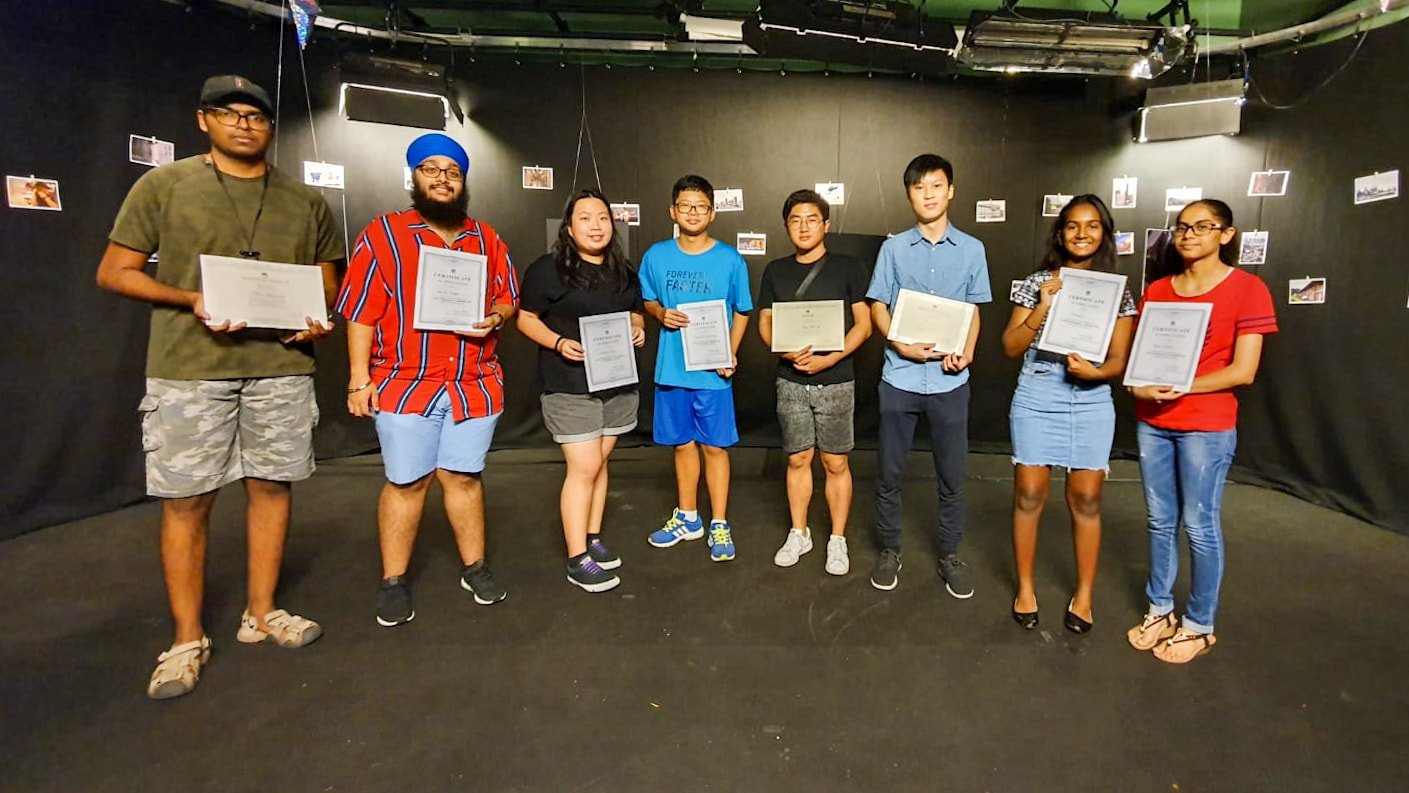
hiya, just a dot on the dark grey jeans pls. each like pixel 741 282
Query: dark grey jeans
pixel 948 417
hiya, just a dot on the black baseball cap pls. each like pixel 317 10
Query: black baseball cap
pixel 224 88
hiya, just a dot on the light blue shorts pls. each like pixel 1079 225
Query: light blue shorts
pixel 1059 420
pixel 414 445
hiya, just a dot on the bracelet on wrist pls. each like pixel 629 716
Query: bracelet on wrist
pixel 360 388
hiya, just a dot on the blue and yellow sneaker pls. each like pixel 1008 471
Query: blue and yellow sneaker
pixel 675 530
pixel 721 542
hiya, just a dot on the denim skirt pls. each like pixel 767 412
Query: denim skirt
pixel 1060 420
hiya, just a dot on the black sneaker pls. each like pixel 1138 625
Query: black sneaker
pixel 886 574
pixel 604 558
pixel 478 580
pixel 956 576
pixel 394 602
pixel 588 574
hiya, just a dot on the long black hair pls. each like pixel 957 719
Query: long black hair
pixel 1172 263
pixel 615 271
pixel 1104 258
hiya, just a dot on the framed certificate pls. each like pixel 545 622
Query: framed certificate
pixel 608 356
pixel 1082 317
pixel 920 318
pixel 1168 343
pixel 819 324
pixel 706 339
pixel 262 294
pixel 450 289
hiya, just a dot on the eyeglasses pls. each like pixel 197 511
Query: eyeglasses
pixel 231 118
pixel 1201 229
pixel 693 209
pixel 434 171
pixel 809 222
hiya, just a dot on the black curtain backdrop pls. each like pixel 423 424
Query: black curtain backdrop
pixel 1322 422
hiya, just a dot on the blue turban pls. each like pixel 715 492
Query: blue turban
pixel 435 144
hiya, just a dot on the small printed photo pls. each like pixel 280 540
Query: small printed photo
pixel 991 211
pixel 834 193
pixel 1254 248
pixel 1053 204
pixel 150 151
pixel 322 174
pixel 1306 291
pixel 1176 198
pixel 675 231
pixel 27 192
pixel 1013 289
pixel 1377 187
pixel 751 244
pixel 729 200
pixel 1157 243
pixel 406 178
pixel 536 177
pixel 1124 243
pixel 1268 183
pixel 630 214
pixel 1124 192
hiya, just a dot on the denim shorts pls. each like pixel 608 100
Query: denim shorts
pixel 817 416
pixel 1059 420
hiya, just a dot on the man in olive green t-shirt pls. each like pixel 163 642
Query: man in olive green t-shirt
pixel 223 402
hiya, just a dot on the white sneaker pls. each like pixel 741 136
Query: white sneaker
pixel 798 543
pixel 838 562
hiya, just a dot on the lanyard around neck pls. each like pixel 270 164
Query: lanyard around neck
pixel 249 252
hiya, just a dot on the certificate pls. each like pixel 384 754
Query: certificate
pixel 819 324
pixel 450 289
pixel 1082 317
pixel 920 318
pixel 706 339
pixel 608 356
pixel 1168 344
pixel 262 294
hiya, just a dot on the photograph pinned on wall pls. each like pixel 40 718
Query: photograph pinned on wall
pixel 1125 191
pixel 1268 183
pixel 1376 187
pixel 1306 291
pixel 1254 248
pixel 675 231
pixel 751 244
pixel 991 211
pixel 1157 245
pixel 406 178
pixel 28 192
pixel 537 177
pixel 1176 198
pixel 1053 204
pixel 834 193
pixel 730 199
pixel 630 214
pixel 150 151
pixel 322 174
pixel 1124 243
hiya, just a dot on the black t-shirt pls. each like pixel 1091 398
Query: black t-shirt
pixel 560 307
pixel 842 279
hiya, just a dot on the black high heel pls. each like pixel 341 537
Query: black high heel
pixel 1027 620
pixel 1076 624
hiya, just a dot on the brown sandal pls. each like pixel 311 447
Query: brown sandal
pixel 1184 647
pixel 1151 631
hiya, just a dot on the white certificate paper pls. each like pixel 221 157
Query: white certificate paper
pixel 920 318
pixel 819 324
pixel 608 356
pixel 1168 344
pixel 706 339
pixel 450 289
pixel 262 294
pixel 1083 315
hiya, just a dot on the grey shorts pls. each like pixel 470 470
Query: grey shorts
pixel 200 435
pixel 573 418
pixel 817 415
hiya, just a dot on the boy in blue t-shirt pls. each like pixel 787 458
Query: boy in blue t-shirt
pixel 695 408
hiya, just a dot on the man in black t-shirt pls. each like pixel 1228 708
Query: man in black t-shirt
pixel 816 388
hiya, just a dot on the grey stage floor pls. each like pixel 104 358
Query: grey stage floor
pixel 699 676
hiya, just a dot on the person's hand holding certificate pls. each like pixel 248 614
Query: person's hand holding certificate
pixel 450 290
pixel 818 325
pixel 1083 314
pixel 705 339
pixel 238 293
pixel 608 354
pixel 1168 343
pixel 920 318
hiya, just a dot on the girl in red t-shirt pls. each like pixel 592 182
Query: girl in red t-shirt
pixel 1187 440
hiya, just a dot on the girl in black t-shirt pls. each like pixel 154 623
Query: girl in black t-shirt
pixel 585 275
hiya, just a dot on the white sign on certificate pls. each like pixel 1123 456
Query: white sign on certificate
pixel 1083 315
pixel 819 324
pixel 706 339
pixel 920 318
pixel 262 294
pixel 608 357
pixel 450 289
pixel 1168 344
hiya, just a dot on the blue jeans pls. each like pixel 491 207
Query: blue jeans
pixel 1184 473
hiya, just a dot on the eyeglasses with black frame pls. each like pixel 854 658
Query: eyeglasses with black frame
pixel 693 209
pixel 230 117
pixel 1201 229
pixel 434 171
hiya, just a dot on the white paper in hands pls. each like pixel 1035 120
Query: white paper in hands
pixel 705 340
pixel 608 355
pixel 262 294
pixel 1168 344
pixel 450 290
pixel 920 318
pixel 1083 315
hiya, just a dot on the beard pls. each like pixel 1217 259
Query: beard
pixel 440 213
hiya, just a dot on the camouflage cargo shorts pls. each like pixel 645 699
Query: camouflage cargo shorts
pixel 200 435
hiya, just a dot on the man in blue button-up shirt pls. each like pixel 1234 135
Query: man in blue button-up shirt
pixel 938 259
